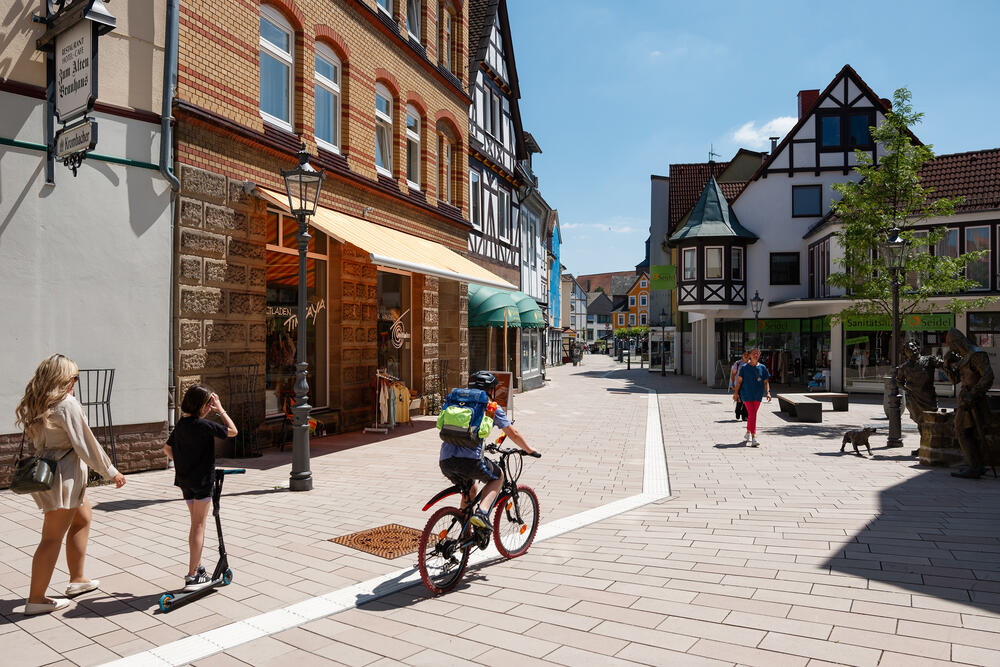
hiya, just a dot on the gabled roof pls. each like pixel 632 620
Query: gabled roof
pixel 621 284
pixel 482 14
pixel 687 180
pixel 846 70
pixel 531 144
pixel 974 176
pixel 712 218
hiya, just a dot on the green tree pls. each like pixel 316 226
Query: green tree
pixel 889 195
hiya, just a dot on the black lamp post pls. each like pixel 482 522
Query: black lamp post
pixel 663 342
pixel 894 251
pixel 303 185
pixel 756 303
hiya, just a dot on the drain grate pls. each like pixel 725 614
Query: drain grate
pixel 389 541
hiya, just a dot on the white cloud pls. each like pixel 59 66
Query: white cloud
pixel 752 136
pixel 613 225
pixel 655 54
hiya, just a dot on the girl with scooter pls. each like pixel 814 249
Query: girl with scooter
pixel 192 448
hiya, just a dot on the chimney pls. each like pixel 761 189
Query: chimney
pixel 774 142
pixel 806 99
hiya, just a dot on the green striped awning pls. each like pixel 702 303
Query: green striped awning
pixel 527 308
pixel 488 307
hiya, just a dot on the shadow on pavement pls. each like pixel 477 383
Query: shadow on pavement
pixel 935 536
pixel 120 505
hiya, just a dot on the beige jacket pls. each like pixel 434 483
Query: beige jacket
pixel 67 431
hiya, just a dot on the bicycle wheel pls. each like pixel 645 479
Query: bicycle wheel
pixel 513 537
pixel 440 556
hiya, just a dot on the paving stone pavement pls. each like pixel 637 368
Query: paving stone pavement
pixel 788 554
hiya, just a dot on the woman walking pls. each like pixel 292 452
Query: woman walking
pixel 751 387
pixel 54 422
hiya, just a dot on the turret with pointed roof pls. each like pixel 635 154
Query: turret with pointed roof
pixel 712 218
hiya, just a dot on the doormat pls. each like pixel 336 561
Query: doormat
pixel 389 541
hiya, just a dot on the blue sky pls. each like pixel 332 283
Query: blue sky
pixel 616 90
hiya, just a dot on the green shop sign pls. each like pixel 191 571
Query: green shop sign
pixel 856 340
pixel 663 277
pixel 816 324
pixel 772 326
pixel 914 322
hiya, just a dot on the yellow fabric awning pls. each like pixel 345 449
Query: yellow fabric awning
pixel 393 248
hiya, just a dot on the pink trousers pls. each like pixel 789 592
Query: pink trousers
pixel 752 407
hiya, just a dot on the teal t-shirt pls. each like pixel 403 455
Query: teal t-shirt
pixel 752 388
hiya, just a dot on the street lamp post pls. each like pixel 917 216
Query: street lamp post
pixel 663 343
pixel 303 185
pixel 756 303
pixel 894 251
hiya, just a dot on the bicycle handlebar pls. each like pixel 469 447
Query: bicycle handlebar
pixel 512 450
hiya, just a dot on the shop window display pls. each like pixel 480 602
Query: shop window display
pixel 394 326
pixel 984 331
pixel 868 339
pixel 281 313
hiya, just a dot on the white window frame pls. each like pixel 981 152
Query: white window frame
pixel 503 214
pixel 447 41
pixel 621 319
pixel 642 283
pixel 642 300
pixel 737 252
pixel 495 115
pixel 475 199
pixel 384 6
pixel 325 53
pixel 722 262
pixel 412 144
pixel 989 261
pixel 413 22
pixel 689 258
pixel 275 18
pixel 444 169
pixel 386 121
pixel 631 300
pixel 631 319
pixel 642 319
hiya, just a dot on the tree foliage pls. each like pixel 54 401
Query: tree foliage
pixel 631 332
pixel 889 195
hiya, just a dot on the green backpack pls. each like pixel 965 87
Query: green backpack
pixel 463 420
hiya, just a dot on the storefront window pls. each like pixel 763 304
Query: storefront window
pixel 394 326
pixel 867 345
pixel 978 238
pixel 984 331
pixel 282 275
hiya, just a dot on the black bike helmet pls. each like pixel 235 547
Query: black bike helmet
pixel 483 380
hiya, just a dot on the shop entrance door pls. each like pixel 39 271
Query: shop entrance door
pixel 395 346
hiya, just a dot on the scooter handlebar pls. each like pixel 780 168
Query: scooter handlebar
pixel 230 471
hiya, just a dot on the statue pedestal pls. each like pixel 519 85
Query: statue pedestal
pixel 938 446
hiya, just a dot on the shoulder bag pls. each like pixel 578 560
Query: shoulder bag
pixel 33 473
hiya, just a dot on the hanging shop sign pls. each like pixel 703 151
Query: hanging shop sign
pixel 772 326
pixel 912 322
pixel 856 340
pixel 70 42
pixel 663 277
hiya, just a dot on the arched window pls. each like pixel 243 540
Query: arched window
pixel 277 45
pixel 327 98
pixel 413 18
pixel 383 130
pixel 412 147
pixel 446 171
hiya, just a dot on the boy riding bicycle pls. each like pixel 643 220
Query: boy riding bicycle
pixel 464 465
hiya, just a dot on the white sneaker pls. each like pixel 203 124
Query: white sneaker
pixel 747 436
pixel 754 443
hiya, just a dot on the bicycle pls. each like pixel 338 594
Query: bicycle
pixel 449 536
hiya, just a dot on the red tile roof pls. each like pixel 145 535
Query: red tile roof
pixel 974 175
pixel 686 184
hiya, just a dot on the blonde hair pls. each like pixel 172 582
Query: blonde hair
pixel 49 385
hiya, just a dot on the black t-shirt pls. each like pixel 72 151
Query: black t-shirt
pixel 193 443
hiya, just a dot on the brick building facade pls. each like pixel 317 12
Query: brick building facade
pixel 377 91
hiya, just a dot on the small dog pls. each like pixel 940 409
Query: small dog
pixel 859 437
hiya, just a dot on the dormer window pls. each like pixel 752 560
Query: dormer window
pixel 845 131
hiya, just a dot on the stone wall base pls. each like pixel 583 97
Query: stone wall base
pixel 138 447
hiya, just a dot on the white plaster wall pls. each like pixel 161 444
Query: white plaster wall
pixel 85 265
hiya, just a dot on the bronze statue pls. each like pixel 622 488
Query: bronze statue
pixel 969 366
pixel 916 376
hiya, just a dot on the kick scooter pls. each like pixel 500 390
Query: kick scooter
pixel 222 576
